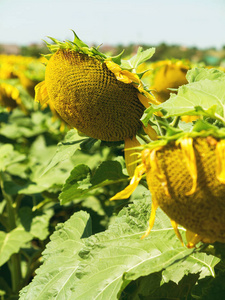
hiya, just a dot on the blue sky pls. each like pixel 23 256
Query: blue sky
pixel 198 23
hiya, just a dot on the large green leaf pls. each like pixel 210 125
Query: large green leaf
pixel 198 74
pixel 204 95
pixel 8 156
pixel 57 275
pixel 80 182
pixel 11 242
pixel 107 262
pixel 39 157
pixel 66 148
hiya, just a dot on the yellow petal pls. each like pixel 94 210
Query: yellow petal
pixel 150 132
pixel 131 154
pixel 139 171
pixel 146 98
pixel 189 156
pixel 41 94
pixel 122 75
pixel 220 161
pixel 175 228
pixel 157 171
pixel 113 67
pixel 152 217
pixel 131 76
pixel 188 119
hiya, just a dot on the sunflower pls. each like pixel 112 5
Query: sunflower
pixel 7 66
pixel 166 75
pixel 186 177
pixel 101 96
pixel 10 97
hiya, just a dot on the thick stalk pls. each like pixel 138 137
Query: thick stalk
pixel 162 131
pixel 175 122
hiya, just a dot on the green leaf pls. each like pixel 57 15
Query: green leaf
pixel 149 113
pixel 108 170
pixel 11 242
pixel 201 125
pixel 197 74
pixel 152 287
pixel 19 125
pixel 204 96
pixel 66 148
pixel 110 260
pixel 76 185
pixel 57 275
pixel 39 157
pixel 37 223
pixel 139 58
pixel 80 182
pixel 195 263
pixel 8 156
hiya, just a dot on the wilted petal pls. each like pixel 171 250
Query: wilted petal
pixel 139 171
pixel 189 156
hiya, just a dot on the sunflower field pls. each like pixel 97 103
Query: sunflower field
pixel 112 174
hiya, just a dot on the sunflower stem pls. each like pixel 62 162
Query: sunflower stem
pixel 14 261
pixel 162 131
pixel 144 138
pixel 175 122
pixel 221 119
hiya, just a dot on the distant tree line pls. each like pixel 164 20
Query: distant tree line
pixel 211 56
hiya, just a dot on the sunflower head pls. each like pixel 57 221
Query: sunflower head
pixel 9 96
pixel 186 178
pixel 96 94
pixel 168 74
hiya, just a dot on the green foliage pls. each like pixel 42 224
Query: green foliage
pixel 105 263
pixel 11 242
pixel 62 258
pixel 202 96
pixel 61 236
pixel 139 58
pixel 66 148
pixel 80 182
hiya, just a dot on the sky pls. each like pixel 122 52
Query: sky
pixel 191 23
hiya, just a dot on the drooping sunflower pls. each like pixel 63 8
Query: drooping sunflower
pixel 101 96
pixel 166 75
pixel 186 177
